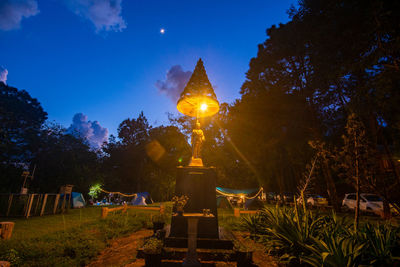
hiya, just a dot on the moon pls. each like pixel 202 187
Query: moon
pixel 162 30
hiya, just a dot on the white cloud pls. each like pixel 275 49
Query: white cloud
pixel 93 132
pixel 13 11
pixel 174 83
pixel 104 14
pixel 3 74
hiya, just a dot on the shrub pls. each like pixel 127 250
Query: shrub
pixel 300 236
pixel 382 243
pixel 333 250
pixel 152 246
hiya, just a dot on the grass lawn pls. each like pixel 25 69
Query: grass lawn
pixel 39 226
pixel 71 239
pixel 76 238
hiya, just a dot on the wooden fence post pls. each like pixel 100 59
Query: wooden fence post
pixel 56 203
pixel 236 212
pixel 10 199
pixel 29 205
pixel 63 203
pixel 40 196
pixel 125 208
pixel 104 212
pixel 43 205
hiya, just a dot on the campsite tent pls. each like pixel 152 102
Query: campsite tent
pixel 77 200
pixel 142 199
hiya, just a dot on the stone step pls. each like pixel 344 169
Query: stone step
pixel 203 243
pixel 171 253
pixel 202 253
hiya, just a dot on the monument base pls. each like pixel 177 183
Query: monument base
pixel 198 184
pixel 212 243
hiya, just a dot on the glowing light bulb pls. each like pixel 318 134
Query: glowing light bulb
pixel 203 107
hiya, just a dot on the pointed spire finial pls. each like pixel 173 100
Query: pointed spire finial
pixel 198 98
pixel 198 83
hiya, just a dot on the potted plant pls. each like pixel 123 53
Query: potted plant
pixel 179 203
pixel 152 252
pixel 158 222
pixel 243 254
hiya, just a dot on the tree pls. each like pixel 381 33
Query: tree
pixel 126 157
pixel 327 158
pixel 354 157
pixel 21 118
pixel 134 131
pixel 348 63
pixel 64 159
pixel 167 149
pixel 144 158
pixel 270 129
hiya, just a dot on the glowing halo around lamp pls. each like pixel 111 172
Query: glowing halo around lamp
pixel 198 106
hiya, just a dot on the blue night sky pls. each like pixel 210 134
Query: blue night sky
pixel 103 58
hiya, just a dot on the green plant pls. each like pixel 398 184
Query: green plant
pixel 94 190
pixel 382 240
pixel 300 236
pixel 333 250
pixel 12 257
pixel 284 231
pixel 152 246
pixel 180 202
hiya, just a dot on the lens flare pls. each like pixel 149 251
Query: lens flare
pixel 203 107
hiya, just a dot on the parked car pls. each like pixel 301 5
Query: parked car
pixel 314 200
pixel 368 202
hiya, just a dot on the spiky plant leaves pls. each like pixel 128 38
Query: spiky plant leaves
pixel 382 241
pixel 333 250
pixel 299 237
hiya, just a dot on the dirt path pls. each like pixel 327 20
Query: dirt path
pixel 260 256
pixel 122 252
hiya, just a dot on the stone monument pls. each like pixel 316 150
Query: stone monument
pixel 196 228
pixel 196 181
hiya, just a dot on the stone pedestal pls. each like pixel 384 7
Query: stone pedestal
pixel 191 259
pixel 197 183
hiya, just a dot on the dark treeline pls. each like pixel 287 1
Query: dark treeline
pixel 323 86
